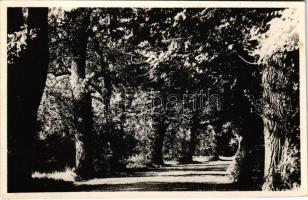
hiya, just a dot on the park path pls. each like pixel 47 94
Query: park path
pixel 206 175
pixel 203 175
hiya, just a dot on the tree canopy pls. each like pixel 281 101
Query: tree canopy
pixel 157 84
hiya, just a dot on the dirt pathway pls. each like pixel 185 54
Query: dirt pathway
pixel 201 176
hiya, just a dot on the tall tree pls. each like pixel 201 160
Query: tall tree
pixel 26 82
pixel 82 101
pixel 279 55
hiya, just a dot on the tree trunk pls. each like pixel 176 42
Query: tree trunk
pixel 15 19
pixel 83 116
pixel 84 165
pixel 280 109
pixel 160 128
pixel 82 102
pixel 192 142
pixel 26 82
pixel 272 153
pixel 108 92
pixel 192 147
pixel 276 156
pixel 189 147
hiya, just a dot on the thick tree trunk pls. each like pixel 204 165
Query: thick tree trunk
pixel 84 165
pixel 276 157
pixel 272 153
pixel 82 102
pixel 273 134
pixel 83 116
pixel 26 82
pixel 279 110
pixel 189 147
pixel 15 19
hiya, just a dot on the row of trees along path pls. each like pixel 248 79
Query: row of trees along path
pixel 234 52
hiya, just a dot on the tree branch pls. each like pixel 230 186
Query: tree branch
pixel 242 58
pixel 59 74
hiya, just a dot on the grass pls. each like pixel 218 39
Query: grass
pixel 67 175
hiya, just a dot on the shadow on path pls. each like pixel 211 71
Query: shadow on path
pixel 200 176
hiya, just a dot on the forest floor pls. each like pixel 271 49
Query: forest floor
pixel 202 175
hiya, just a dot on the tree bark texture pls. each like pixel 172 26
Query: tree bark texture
pixel 280 105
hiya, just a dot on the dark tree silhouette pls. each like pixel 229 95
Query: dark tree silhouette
pixel 26 82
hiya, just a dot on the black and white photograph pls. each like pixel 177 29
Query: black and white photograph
pixel 189 97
